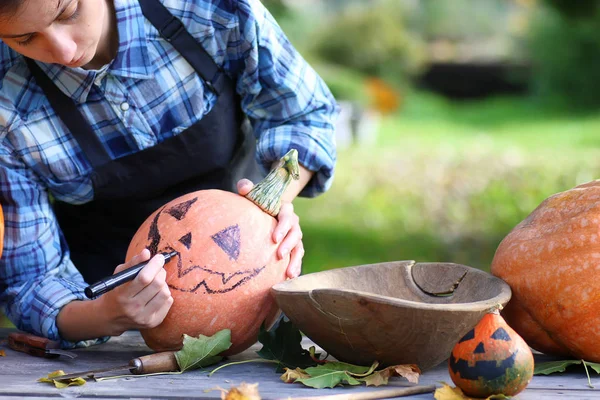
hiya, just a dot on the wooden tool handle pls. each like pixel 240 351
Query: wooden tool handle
pixel 157 362
pixel 32 340
pixel 373 394
pixel 31 344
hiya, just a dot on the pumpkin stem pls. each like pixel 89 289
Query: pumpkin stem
pixel 267 193
pixel 496 309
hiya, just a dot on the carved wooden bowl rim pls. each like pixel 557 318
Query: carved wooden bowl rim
pixel 292 287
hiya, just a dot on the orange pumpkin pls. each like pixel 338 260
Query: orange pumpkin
pixel 551 261
pixel 491 359
pixel 226 264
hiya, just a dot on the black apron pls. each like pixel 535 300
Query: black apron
pixel 213 153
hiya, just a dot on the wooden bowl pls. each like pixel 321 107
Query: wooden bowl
pixel 399 312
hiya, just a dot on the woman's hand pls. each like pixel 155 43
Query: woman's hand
pixel 142 303
pixel 287 232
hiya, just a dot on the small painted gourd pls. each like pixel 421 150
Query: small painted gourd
pixel 226 262
pixel 491 359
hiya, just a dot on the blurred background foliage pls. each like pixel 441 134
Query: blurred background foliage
pixel 476 112
pixel 457 119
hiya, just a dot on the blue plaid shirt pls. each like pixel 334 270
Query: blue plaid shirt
pixel 146 95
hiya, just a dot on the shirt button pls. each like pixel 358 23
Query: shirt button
pixel 125 106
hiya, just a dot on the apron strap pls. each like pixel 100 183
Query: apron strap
pixel 67 111
pixel 173 31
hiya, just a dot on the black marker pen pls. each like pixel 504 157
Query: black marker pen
pixel 120 278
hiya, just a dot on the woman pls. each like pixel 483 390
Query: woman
pixel 109 109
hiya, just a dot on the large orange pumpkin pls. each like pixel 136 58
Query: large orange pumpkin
pixel 551 261
pixel 226 264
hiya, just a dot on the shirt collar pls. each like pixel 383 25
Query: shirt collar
pixel 131 61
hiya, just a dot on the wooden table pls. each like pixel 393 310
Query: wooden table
pixel 19 373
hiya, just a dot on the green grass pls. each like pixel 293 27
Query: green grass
pixel 446 181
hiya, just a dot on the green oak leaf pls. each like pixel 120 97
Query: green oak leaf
pixel 336 366
pixel 594 366
pixel 329 379
pixel 550 367
pixel 283 344
pixel 334 373
pixel 203 350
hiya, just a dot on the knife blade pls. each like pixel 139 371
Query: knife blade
pixel 36 345
pixel 150 364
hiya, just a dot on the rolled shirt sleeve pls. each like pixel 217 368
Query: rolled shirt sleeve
pixel 287 102
pixel 37 277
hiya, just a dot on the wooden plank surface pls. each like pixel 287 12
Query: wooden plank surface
pixel 19 373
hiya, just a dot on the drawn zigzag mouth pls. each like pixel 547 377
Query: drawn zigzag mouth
pixel 230 281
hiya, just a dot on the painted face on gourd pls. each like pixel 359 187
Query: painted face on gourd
pixel 487 360
pixel 198 266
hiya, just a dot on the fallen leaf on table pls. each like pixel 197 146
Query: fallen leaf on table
pixel 203 350
pixel 316 356
pixel 291 375
pixel 550 367
pixel 2 353
pixel 446 392
pixel 54 378
pixel 328 375
pixel 409 371
pixel 329 380
pixel 283 344
pixel 243 392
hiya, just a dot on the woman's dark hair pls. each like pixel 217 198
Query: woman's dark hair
pixel 9 7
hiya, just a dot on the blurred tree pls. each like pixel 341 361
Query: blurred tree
pixel 576 9
pixel 277 8
pixel 461 19
pixel 564 45
pixel 370 38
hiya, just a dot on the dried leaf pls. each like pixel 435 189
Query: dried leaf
pixel 409 371
pixel 449 393
pixel 283 344
pixel 2 353
pixel 453 393
pixel 291 375
pixel 54 378
pixel 243 392
pixel 203 350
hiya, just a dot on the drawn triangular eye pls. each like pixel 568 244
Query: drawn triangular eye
pixel 186 240
pixel 228 239
pixel 178 211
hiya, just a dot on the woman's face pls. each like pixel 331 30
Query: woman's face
pixel 66 32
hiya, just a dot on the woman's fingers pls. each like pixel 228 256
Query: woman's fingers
pixel 244 186
pixel 291 241
pixel 286 220
pixel 138 258
pixel 295 266
pixel 158 307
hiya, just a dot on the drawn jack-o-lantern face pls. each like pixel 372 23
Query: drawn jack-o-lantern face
pixel 213 248
pixel 473 359
pixel 224 270
pixel 491 359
